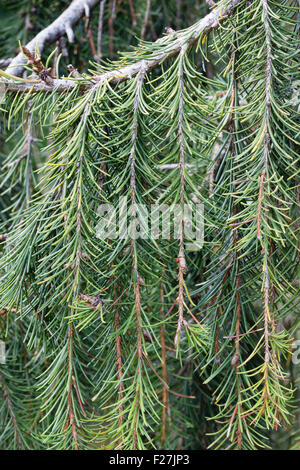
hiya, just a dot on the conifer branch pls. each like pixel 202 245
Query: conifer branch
pixel 184 38
pixel 137 281
pixel 119 366
pixel 132 12
pixel 61 26
pixel 112 17
pixel 163 366
pixel 146 19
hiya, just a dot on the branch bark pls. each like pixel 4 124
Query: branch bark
pixel 183 38
pixel 61 26
pixel 5 62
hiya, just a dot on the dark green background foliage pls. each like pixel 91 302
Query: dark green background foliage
pixel 141 343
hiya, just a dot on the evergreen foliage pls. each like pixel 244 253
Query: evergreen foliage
pixel 134 342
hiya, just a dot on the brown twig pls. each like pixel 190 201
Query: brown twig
pixel 267 142
pixel 146 19
pixel 119 372
pixel 100 28
pixel 181 257
pixel 132 11
pixel 137 280
pixel 89 32
pixel 178 14
pixel 112 8
pixel 163 366
pixel 11 412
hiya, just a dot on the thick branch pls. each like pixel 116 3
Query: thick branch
pixel 61 26
pixel 184 38
pixel 5 62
